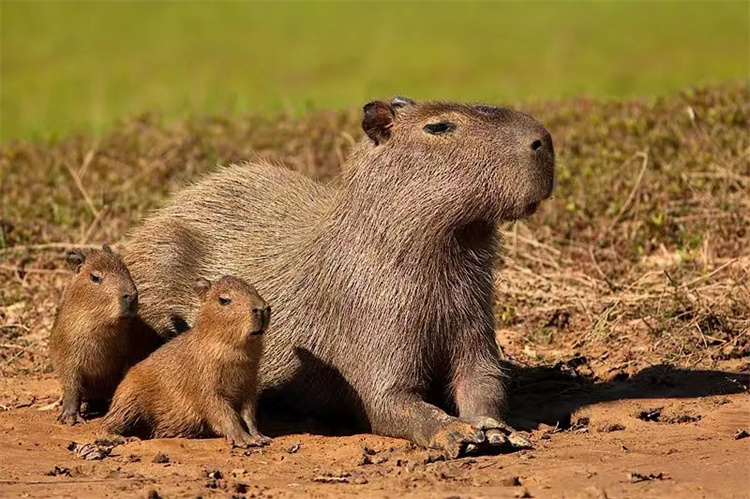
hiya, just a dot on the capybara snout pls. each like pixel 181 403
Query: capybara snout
pixel 261 318
pixel 526 165
pixel 129 303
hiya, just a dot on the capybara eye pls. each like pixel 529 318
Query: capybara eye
pixel 224 300
pixel 439 128
pixel 96 278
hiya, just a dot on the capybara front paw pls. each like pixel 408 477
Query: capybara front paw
pixel 454 437
pixel 498 434
pixel 71 417
pixel 247 440
pixel 260 440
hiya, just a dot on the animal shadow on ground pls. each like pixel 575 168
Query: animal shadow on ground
pixel 538 395
pixel 551 394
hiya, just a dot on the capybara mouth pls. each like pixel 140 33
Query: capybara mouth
pixel 257 332
pixel 129 313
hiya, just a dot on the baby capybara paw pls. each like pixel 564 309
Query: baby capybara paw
pixel 498 435
pixel 244 440
pixel 454 437
pixel 262 440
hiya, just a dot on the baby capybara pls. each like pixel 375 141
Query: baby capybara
pixel 97 334
pixel 202 383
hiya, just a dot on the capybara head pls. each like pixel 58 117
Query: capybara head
pixel 231 308
pixel 102 285
pixel 463 162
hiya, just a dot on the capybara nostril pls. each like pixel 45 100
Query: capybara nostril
pixel 542 142
pixel 129 299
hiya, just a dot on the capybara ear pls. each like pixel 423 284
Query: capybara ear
pixel 377 121
pixel 107 248
pixel 201 287
pixel 74 259
pixel 400 101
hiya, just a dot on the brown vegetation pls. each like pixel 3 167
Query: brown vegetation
pixel 645 244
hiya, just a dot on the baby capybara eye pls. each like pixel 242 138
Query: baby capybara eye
pixel 224 301
pixel 96 278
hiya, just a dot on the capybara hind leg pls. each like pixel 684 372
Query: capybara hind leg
pixel 248 416
pixel 408 416
pixel 481 400
pixel 71 406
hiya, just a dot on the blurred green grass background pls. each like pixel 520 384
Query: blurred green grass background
pixel 68 66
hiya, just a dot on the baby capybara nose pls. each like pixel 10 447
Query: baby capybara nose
pixel 129 300
pixel 262 315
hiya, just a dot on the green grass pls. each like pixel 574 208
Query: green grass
pixel 80 66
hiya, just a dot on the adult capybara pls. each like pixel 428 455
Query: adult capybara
pixel 381 284
pixel 97 334
pixel 204 382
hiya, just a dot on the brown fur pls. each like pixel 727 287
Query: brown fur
pixel 204 382
pixel 97 334
pixel 382 284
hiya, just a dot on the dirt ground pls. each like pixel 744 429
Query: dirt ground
pixel 664 432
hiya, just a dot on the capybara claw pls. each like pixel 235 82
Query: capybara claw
pixel 71 418
pixel 519 441
pixel 496 438
pixel 457 438
pixel 257 441
pixel 236 443
pixel 499 435
pixel 245 441
pixel 264 440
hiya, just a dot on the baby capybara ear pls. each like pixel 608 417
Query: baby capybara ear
pixel 74 259
pixel 377 121
pixel 201 287
pixel 107 248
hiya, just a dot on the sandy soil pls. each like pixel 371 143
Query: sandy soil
pixel 662 433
